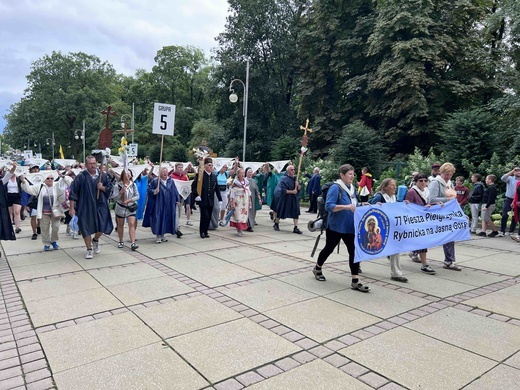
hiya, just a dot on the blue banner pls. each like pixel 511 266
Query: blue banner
pixel 390 228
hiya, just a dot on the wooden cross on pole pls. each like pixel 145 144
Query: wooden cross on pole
pixel 303 149
pixel 105 137
pixel 125 130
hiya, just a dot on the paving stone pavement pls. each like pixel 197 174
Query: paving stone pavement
pixel 233 312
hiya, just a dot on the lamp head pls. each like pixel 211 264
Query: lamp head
pixel 76 136
pixel 233 98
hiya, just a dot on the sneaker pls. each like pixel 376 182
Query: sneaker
pixel 276 227
pixel 189 223
pixel 89 254
pixel 134 246
pixel 34 236
pixel 359 287
pixel 75 235
pixel 95 246
pixel 179 234
pixel 121 245
pixel 68 231
pixel 414 257
pixel 296 230
pixel 221 223
pixel 165 239
pixel 501 234
pixel 55 245
pixel 493 234
pixel 482 234
pixel 428 270
pixel 46 248
pixel 158 239
pixel 18 230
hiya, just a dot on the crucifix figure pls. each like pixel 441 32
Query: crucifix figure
pixel 303 149
pixel 305 129
pixel 125 130
pixel 105 137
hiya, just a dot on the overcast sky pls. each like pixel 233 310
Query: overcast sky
pixel 126 33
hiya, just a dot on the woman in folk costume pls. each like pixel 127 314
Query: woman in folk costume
pixel 441 190
pixel 386 194
pixel 256 199
pixel 161 208
pixel 240 201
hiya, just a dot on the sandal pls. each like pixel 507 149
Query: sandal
pixel 121 245
pixel 318 275
pixel 452 267
pixel 359 287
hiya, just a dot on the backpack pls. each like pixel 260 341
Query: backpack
pixel 322 212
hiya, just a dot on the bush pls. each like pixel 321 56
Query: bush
pixel 360 145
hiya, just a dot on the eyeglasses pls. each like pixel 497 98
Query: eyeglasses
pixel 50 178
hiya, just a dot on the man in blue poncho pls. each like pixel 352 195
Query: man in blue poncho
pixel 88 197
pixel 161 206
pixel 286 201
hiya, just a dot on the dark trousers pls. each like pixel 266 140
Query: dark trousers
pixel 503 222
pixel 333 239
pixel 313 208
pixel 205 218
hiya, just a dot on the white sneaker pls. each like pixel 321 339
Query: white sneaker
pixel 95 246
pixel 68 231
pixel 189 223
pixel 500 234
pixel 75 235
pixel 158 239
pixel 89 254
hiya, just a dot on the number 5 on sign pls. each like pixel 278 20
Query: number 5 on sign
pixel 163 119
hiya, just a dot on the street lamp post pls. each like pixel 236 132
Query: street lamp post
pixel 233 98
pixel 50 141
pixel 82 136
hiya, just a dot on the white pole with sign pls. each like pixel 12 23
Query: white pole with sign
pixel 163 122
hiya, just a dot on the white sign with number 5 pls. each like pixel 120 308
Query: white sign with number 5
pixel 163 119
pixel 132 150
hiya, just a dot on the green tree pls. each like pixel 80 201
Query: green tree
pixel 264 32
pixel 360 145
pixel 331 72
pixel 63 90
pixel 468 135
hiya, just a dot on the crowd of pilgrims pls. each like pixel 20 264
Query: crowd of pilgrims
pixel 81 197
pixel 160 197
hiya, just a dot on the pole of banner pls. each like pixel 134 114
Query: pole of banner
pixel 160 163
pixel 303 149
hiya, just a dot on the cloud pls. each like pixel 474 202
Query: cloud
pixel 126 33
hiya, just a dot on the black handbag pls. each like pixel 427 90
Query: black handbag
pixel 132 207
pixel 32 203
